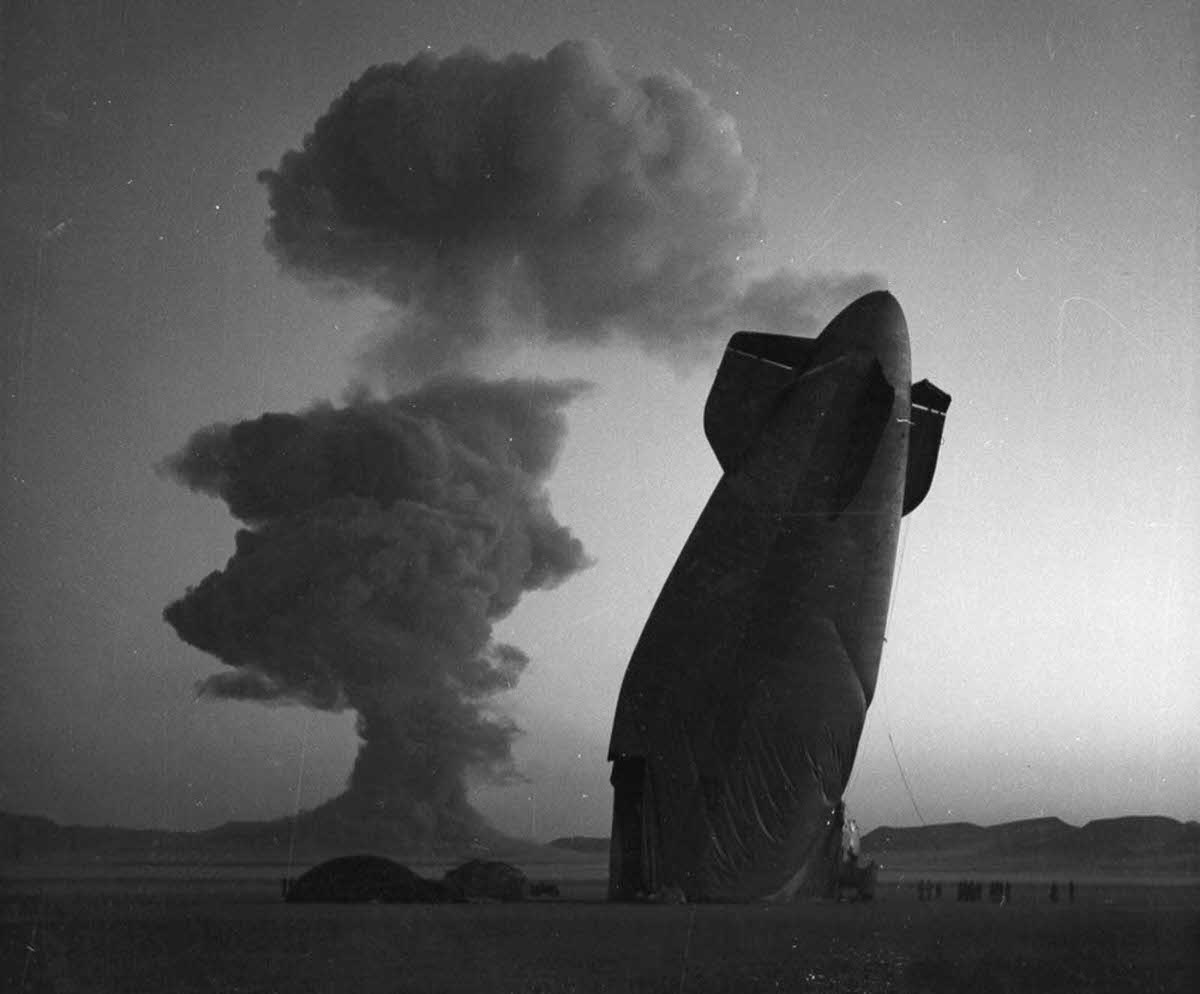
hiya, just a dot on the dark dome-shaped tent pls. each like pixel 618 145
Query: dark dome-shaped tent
pixel 365 878
pixel 487 880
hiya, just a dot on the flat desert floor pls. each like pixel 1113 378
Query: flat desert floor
pixel 150 929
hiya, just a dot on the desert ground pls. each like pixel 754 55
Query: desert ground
pixel 145 928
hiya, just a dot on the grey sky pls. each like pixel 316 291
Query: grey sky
pixel 1023 177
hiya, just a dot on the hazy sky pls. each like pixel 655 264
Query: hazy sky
pixel 1022 175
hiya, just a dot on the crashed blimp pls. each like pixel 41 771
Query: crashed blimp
pixel 742 706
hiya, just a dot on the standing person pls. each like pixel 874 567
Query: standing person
pixel 1054 892
pixel 1071 891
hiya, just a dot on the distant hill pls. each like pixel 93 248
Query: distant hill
pixel 31 837
pixel 1120 845
pixel 339 826
pixel 1132 844
pixel 582 843
pixel 313 835
pixel 1135 844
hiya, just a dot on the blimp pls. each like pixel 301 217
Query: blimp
pixel 741 708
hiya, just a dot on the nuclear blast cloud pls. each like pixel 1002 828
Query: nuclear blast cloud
pixel 383 539
pixel 545 199
pixel 555 191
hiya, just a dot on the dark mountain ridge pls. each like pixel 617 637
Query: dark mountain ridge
pixel 1134 843
pixel 1147 844
pixel 582 843
pixel 311 835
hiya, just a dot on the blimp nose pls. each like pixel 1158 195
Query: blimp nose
pixel 874 323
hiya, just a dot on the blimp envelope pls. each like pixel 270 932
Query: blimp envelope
pixel 742 706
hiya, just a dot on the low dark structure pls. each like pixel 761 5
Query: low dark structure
pixel 364 879
pixel 857 881
pixel 487 880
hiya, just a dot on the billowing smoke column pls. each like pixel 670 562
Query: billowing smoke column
pixel 555 193
pixel 382 541
pixel 485 201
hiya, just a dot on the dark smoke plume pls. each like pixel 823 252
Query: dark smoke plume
pixel 483 200
pixel 556 192
pixel 383 539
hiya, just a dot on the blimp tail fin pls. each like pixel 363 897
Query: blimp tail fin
pixel 929 406
pixel 754 371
